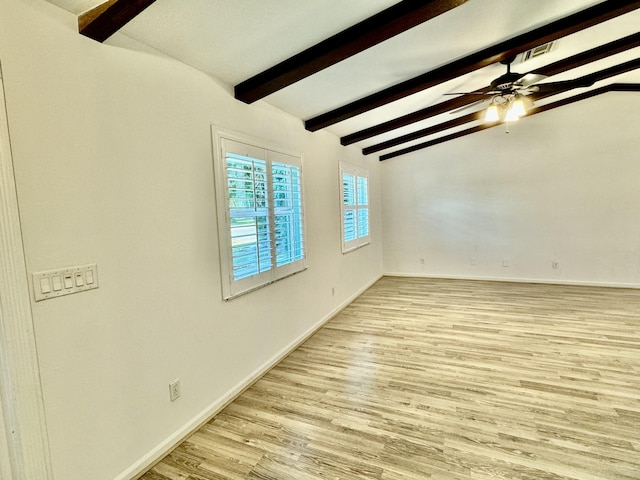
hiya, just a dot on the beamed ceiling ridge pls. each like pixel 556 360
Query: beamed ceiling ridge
pixel 495 53
pixel 589 56
pixel 388 23
pixel 614 87
pixel 570 85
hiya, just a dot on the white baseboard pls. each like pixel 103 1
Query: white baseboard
pixel 548 281
pixel 161 450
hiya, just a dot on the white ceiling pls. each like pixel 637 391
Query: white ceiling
pixel 233 40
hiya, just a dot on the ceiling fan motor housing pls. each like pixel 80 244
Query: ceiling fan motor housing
pixel 506 82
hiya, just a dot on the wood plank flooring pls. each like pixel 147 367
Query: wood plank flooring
pixel 442 379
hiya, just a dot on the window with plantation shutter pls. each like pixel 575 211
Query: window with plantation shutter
pixel 260 211
pixel 248 215
pixel 354 207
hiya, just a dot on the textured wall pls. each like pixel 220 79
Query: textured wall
pixel 562 186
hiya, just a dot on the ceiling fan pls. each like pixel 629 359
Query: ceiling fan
pixel 509 93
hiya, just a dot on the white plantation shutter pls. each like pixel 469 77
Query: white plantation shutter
pixel 287 201
pixel 349 211
pixel 248 215
pixel 363 206
pixel 261 220
pixel 354 206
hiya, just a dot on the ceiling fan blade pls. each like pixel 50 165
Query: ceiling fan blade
pixel 557 87
pixel 466 107
pixel 530 79
pixel 469 93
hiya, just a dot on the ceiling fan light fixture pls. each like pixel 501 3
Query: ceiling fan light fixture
pixel 518 108
pixel 515 110
pixel 492 114
pixel 511 115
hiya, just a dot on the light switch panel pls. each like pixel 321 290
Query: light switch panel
pixel 45 286
pixel 65 281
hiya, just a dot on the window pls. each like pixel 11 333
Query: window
pixel 354 206
pixel 260 215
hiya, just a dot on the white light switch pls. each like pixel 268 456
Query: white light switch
pixel 45 287
pixel 65 281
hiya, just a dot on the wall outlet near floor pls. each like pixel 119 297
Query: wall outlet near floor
pixel 505 262
pixel 554 264
pixel 474 261
pixel 422 261
pixel 174 390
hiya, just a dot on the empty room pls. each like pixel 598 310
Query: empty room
pixel 319 239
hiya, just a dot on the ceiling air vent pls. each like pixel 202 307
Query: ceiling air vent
pixel 535 52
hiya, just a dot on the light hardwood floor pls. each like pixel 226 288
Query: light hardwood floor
pixel 442 379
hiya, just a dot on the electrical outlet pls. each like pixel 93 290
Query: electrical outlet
pixel 554 264
pixel 174 390
pixel 505 262
pixel 422 261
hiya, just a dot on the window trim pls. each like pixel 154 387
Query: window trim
pixel 254 148
pixel 359 241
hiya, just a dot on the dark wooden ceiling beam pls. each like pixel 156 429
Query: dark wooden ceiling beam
pixel 615 87
pixel 584 80
pixel 424 132
pixel 355 39
pixel 90 16
pixel 431 111
pixel 578 60
pixel 430 143
pixel 501 51
pixel 589 56
pixel 107 18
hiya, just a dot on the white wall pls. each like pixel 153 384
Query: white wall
pixel 5 460
pixel 113 165
pixel 562 186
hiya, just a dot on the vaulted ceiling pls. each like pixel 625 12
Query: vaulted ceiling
pixel 380 73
